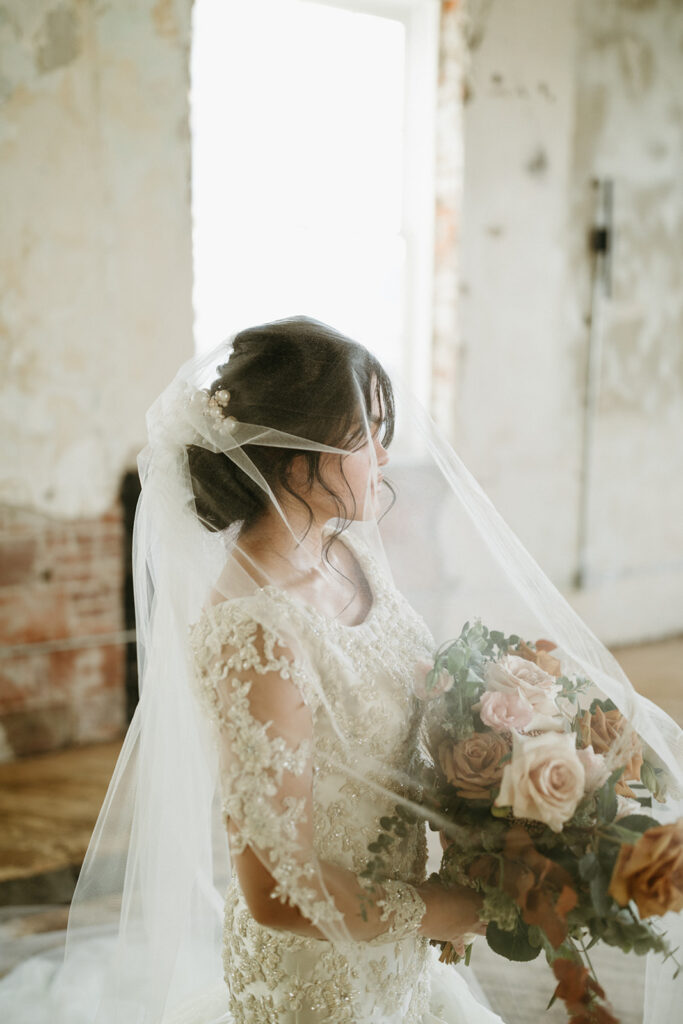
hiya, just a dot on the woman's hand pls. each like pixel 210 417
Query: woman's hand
pixel 451 914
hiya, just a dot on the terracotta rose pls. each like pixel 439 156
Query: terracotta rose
pixel 540 656
pixel 472 766
pixel 651 871
pixel 602 730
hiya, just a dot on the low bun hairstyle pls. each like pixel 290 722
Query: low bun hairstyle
pixel 299 376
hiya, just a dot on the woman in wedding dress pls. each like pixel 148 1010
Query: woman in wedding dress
pixel 275 712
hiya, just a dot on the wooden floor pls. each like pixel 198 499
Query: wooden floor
pixel 49 804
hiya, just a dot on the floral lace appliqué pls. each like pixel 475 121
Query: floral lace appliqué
pixel 271 972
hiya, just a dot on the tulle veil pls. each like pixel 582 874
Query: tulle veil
pixel 145 931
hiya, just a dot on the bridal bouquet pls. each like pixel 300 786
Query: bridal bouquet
pixel 545 803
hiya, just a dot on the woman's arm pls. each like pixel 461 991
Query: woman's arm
pixel 448 913
pixel 265 729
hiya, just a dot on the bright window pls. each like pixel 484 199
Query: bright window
pixel 312 180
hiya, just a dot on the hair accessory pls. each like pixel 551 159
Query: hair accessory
pixel 216 404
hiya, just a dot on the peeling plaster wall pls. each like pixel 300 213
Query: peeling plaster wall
pixel 517 412
pixel 556 95
pixel 629 129
pixel 95 252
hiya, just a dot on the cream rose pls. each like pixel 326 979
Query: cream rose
pixel 545 780
pixel 503 712
pixel 519 676
pixel 597 772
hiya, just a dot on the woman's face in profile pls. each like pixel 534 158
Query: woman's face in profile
pixel 356 477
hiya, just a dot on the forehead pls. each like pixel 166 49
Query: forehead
pixel 376 410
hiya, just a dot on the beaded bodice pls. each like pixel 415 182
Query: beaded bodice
pixel 365 674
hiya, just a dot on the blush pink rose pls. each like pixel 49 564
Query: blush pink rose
pixel 504 711
pixel 520 677
pixel 440 684
pixel 545 780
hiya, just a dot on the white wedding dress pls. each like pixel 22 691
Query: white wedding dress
pixel 279 977
pixel 272 976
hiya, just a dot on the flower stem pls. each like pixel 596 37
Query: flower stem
pixel 588 960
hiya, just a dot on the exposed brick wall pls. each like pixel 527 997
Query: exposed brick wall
pixel 62 665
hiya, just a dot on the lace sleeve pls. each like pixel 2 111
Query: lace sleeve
pixel 255 696
pixel 262 704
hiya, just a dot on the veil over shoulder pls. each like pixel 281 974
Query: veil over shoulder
pixel 280 713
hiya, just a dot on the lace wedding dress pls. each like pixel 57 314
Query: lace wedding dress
pixel 280 977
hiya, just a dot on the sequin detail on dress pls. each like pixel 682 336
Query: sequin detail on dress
pixel 275 976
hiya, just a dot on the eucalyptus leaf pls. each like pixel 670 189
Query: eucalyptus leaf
pixel 511 945
pixel 648 776
pixel 637 823
pixel 598 890
pixel 606 798
pixel 589 866
pixel 604 705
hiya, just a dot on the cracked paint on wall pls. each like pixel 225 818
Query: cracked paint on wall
pixel 60 42
pixel 556 96
pixel 629 131
pixel 95 255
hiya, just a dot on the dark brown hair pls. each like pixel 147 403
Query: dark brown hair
pixel 299 376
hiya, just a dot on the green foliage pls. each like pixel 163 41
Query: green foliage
pixel 604 705
pixel 513 945
pixel 589 866
pixel 395 830
pixel 654 780
pixel 501 909
pixel 624 930
pixel 571 688
pixel 633 826
pixel 606 797
pixel 598 886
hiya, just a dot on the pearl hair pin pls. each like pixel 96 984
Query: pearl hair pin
pixel 216 404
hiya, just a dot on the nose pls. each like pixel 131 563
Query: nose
pixel 382 454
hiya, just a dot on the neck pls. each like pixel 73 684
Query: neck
pixel 270 537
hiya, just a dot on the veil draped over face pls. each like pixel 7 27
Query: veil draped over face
pixel 306 539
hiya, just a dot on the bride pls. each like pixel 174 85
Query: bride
pixel 304 633
pixel 263 854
